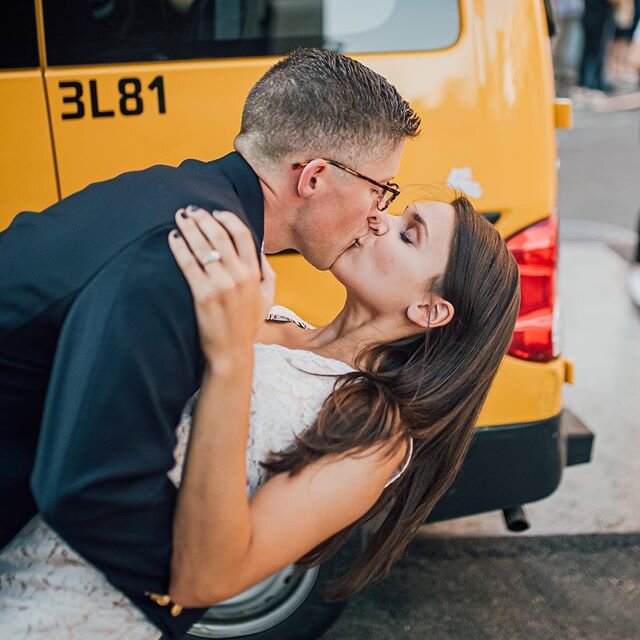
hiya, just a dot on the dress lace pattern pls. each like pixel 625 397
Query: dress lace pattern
pixel 48 591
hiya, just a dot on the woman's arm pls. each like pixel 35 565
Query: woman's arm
pixel 212 532
pixel 223 543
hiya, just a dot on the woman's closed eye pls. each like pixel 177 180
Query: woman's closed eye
pixel 409 236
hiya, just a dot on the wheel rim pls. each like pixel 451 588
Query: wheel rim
pixel 259 608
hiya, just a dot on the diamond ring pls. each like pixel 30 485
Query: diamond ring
pixel 212 256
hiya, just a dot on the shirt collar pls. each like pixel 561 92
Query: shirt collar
pixel 246 184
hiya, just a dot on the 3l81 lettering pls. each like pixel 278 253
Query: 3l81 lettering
pixel 130 103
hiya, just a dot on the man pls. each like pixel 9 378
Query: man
pixel 98 343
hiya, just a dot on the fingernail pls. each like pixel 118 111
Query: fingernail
pixel 216 213
pixel 183 214
pixel 192 208
pixel 175 234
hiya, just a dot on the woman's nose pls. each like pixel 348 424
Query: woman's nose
pixel 379 223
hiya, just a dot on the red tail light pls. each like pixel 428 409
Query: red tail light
pixel 536 251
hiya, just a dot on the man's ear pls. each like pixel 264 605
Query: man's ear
pixel 436 314
pixel 308 180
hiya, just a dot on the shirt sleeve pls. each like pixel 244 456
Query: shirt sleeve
pixel 127 360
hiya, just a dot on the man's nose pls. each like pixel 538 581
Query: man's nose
pixel 379 222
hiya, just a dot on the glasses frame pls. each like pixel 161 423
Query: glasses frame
pixel 390 187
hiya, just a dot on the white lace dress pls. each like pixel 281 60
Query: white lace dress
pixel 47 591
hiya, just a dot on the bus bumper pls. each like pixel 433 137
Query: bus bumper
pixel 511 465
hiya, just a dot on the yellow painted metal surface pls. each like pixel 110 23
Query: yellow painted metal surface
pixel 299 286
pixel 569 371
pixel 524 392
pixel 27 173
pixel 489 118
pixel 486 103
pixel 563 113
pixel 203 104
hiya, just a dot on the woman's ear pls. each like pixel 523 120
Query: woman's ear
pixel 428 316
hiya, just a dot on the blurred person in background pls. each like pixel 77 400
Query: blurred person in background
pixel 634 271
pixel 627 15
pixel 598 27
pixel 567 44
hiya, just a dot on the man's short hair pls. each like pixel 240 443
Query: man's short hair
pixel 319 103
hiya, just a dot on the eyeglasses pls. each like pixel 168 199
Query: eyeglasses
pixel 388 192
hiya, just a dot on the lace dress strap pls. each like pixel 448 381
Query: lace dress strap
pixel 404 465
pixel 283 314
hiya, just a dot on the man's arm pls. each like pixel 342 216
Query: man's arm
pixel 127 360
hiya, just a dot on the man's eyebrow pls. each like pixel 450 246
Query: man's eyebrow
pixel 418 218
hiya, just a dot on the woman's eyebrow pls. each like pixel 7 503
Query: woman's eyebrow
pixel 418 218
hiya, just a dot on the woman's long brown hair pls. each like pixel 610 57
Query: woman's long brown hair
pixel 430 386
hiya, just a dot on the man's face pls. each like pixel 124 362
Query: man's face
pixel 342 208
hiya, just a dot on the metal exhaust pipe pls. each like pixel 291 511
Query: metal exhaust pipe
pixel 516 519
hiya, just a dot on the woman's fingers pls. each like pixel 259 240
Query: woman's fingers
pixel 203 233
pixel 204 285
pixel 241 236
pixel 231 298
pixel 192 234
pixel 187 262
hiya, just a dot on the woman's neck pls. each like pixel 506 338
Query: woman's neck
pixel 352 330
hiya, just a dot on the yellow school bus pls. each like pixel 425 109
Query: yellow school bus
pixel 94 88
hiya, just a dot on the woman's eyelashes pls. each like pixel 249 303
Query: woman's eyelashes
pixel 408 236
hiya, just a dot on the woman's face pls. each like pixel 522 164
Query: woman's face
pixel 390 273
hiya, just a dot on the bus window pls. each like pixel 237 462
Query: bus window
pixel 361 26
pixel 81 32
pixel 18 36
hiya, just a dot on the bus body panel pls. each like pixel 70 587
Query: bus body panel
pixel 488 127
pixel 26 156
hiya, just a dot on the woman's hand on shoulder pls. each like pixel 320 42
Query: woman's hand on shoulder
pixel 232 297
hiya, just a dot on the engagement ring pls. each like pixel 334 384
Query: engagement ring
pixel 212 256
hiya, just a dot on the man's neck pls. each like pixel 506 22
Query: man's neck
pixel 278 214
pixel 277 219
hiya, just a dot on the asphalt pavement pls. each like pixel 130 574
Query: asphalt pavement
pixel 599 176
pixel 543 588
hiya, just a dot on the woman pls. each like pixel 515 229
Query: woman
pixel 373 412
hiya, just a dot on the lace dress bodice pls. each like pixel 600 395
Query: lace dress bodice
pixel 287 396
pixel 289 387
pixel 48 591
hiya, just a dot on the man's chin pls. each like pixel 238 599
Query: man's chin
pixel 325 263
pixel 338 259
pixel 319 263
pixel 337 265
